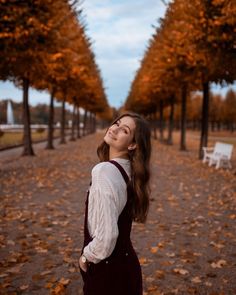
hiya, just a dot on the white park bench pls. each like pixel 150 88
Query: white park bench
pixel 218 155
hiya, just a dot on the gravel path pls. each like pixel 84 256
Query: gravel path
pixel 187 246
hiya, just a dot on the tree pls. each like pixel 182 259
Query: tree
pixel 230 109
pixel 26 34
pixel 44 45
pixel 186 54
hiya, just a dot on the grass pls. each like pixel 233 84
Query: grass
pixel 223 136
pixel 194 136
pixel 193 141
pixel 15 138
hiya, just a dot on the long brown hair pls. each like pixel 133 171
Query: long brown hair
pixel 140 161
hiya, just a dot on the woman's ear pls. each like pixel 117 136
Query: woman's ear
pixel 132 146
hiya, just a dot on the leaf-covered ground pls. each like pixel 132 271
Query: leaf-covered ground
pixel 187 246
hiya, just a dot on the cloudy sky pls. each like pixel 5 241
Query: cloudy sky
pixel 120 31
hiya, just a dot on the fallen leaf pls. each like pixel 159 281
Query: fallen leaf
pixel 160 274
pixel 154 249
pixel 46 272
pixel 64 281
pixel 181 271
pixel 196 280
pixel 218 264
pixel 10 242
pixel 41 250
pixel 232 216
pixel 49 285
pixel 152 288
pixel 58 290
pixel 68 260
pixel 15 269
pixel 143 260
pixel 150 279
pixel 24 287
pixel 217 245
pixel 170 254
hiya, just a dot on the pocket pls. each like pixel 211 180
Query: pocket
pixel 98 269
pixel 83 274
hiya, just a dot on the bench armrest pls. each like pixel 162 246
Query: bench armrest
pixel 208 149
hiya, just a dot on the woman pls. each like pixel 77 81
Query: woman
pixel 118 195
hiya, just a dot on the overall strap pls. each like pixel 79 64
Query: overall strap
pixel 122 170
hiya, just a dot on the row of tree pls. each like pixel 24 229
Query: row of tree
pixel 222 111
pixel 193 47
pixel 43 45
pixel 222 114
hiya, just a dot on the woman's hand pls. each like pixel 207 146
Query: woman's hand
pixel 83 265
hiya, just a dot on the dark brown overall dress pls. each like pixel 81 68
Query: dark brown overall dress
pixel 120 273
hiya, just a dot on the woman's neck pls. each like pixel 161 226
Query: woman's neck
pixel 116 154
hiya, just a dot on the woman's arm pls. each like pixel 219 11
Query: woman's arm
pixel 107 198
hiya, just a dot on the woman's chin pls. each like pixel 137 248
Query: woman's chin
pixel 106 139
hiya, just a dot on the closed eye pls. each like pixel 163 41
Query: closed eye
pixel 125 128
pixel 125 131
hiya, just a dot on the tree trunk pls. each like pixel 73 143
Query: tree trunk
pixel 228 126
pixel 78 123
pixel 85 122
pixel 51 122
pixel 171 121
pixel 155 125
pixel 90 122
pixel 161 121
pixel 199 125
pixel 232 127
pixel 204 125
pixel 94 123
pixel 183 118
pixel 73 124
pixel 27 141
pixel 177 124
pixel 63 117
pixel 212 125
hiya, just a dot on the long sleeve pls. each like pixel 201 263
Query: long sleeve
pixel 107 198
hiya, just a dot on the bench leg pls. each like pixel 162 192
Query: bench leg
pixel 218 164
pixel 206 158
pixel 223 163
pixel 210 162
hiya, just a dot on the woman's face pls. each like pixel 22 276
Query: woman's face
pixel 121 134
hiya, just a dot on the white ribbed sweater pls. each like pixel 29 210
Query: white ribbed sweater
pixel 107 198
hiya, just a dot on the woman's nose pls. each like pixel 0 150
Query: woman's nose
pixel 114 129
